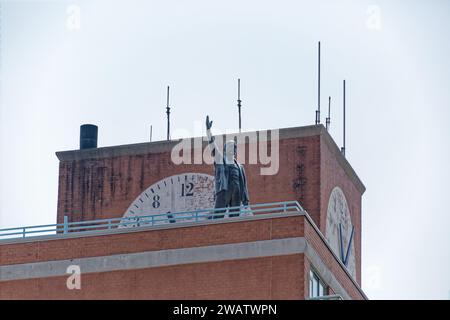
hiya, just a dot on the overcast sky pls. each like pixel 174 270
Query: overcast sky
pixel 111 66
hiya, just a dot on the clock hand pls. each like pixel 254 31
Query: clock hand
pixel 349 244
pixel 341 247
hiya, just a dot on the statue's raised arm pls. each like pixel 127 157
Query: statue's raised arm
pixel 209 134
pixel 208 126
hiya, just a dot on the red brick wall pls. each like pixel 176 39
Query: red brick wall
pixel 279 277
pixel 306 268
pixel 330 261
pixel 261 278
pixel 332 174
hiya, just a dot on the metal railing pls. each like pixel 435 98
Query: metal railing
pixel 327 297
pixel 149 220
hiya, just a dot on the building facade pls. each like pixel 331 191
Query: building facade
pixel 301 240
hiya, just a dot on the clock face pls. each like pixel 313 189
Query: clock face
pixel 339 230
pixel 178 193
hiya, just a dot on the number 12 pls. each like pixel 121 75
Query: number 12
pixel 188 188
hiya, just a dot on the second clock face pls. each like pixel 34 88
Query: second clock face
pixel 178 193
pixel 339 230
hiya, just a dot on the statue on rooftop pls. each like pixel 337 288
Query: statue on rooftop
pixel 230 181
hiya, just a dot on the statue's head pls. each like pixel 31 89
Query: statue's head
pixel 230 149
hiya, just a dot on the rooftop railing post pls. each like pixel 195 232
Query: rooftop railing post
pixel 285 207
pixel 66 224
pixel 23 231
pixel 109 224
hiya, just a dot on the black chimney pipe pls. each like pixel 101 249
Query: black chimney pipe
pixel 88 136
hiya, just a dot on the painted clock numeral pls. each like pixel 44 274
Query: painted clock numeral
pixel 156 202
pixel 188 188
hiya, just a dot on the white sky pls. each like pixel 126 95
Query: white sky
pixel 113 71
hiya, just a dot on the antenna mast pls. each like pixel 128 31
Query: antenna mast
pixel 318 93
pixel 239 103
pixel 343 147
pixel 168 114
pixel 151 132
pixel 328 119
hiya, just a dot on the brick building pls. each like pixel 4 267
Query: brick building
pixel 306 245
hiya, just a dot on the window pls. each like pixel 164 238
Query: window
pixel 316 286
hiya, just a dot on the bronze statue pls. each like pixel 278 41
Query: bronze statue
pixel 230 181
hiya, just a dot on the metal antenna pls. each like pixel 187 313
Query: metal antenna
pixel 343 147
pixel 318 94
pixel 328 119
pixel 239 103
pixel 151 132
pixel 168 115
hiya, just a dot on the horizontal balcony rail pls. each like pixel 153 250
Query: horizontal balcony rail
pixel 328 297
pixel 149 220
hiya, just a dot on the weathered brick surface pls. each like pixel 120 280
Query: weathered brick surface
pixel 104 188
pixel 261 278
pixel 332 174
